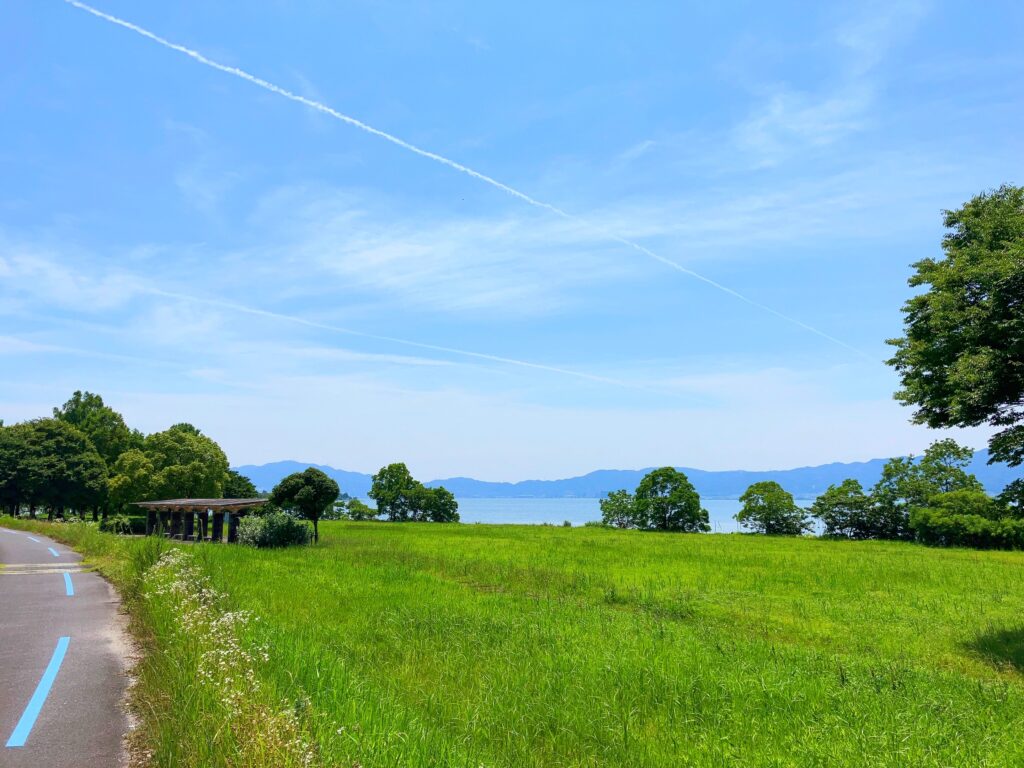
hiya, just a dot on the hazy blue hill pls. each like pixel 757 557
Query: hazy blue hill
pixel 803 482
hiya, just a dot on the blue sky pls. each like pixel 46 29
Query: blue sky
pixel 197 248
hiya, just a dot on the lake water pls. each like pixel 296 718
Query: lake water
pixel 578 511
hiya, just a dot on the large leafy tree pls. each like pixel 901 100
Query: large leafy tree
pixel 132 478
pixel 104 426
pixel 943 468
pixel 666 501
pixel 907 483
pixel 13 478
pixel 187 463
pixel 61 467
pixel 961 359
pixel 309 493
pixel 845 510
pixel 435 505
pixel 401 497
pixel 394 489
pixel 769 508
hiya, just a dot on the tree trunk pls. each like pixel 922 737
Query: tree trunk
pixel 316 532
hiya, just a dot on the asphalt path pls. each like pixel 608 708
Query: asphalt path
pixel 63 659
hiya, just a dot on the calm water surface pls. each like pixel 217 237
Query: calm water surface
pixel 578 511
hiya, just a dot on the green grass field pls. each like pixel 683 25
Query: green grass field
pixel 472 645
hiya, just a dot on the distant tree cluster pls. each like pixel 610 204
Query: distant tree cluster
pixel 931 499
pixel 85 459
pixel 400 497
pixel 665 500
pixel 354 509
pixel 907 485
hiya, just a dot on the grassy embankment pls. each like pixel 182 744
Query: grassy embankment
pixel 426 645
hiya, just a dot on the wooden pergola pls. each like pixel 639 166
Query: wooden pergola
pixel 176 518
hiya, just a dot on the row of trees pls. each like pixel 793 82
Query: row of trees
pixel 932 499
pixel 665 500
pixel 85 458
pixel 312 495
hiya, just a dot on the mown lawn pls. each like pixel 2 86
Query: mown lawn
pixel 429 645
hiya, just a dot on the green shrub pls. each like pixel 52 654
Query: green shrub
pixel 119 524
pixel 273 530
pixel 937 526
pixel 968 502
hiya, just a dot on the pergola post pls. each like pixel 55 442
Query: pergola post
pixel 176 518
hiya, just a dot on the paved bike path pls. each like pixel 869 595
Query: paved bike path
pixel 63 659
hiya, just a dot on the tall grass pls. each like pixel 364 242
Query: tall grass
pixel 428 645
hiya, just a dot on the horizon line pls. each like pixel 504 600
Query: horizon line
pixel 238 467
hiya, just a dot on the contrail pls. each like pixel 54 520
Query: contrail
pixel 320 107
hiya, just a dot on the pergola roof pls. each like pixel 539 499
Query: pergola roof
pixel 200 505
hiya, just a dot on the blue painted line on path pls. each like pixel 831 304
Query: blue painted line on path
pixel 35 704
pixel 33 538
pixel 54 552
pixel 68 586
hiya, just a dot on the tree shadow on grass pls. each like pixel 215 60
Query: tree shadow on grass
pixel 1003 648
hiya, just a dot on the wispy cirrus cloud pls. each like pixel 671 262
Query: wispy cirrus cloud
pixel 39 272
pixel 508 263
pixel 788 119
pixel 156 292
pixel 318 241
pixel 508 189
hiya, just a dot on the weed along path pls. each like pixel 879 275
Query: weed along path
pixel 63 657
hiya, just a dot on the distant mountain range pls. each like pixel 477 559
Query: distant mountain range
pixel 805 482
